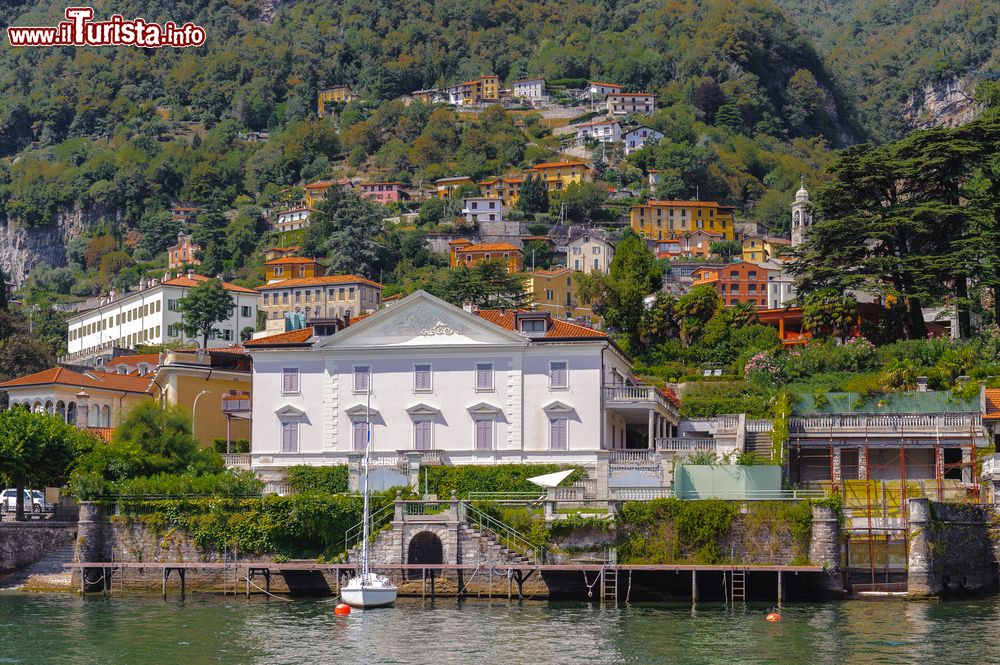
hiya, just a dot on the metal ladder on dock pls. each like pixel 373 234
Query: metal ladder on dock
pixel 609 585
pixel 738 585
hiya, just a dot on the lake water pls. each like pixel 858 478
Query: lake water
pixel 64 629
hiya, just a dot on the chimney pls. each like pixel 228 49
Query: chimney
pixel 190 273
pixel 469 306
pixel 921 384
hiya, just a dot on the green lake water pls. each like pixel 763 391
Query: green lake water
pixel 64 629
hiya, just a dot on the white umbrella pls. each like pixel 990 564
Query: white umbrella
pixel 551 479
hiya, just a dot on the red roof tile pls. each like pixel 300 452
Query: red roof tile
pixel 992 404
pixel 320 281
pixel 559 329
pixel 281 339
pixel 194 280
pixel 552 165
pixel 289 259
pixel 145 358
pixel 95 379
pixel 490 247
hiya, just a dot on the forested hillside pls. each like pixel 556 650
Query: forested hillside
pixel 887 55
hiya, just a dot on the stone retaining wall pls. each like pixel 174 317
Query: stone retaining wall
pixel 25 543
pixel 952 549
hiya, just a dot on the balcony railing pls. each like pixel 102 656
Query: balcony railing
pixel 236 402
pixel 236 460
pixel 991 467
pixel 932 422
pixel 635 395
pixel 677 444
pixel 633 459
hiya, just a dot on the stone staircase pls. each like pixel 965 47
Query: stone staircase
pixel 475 546
pixel 760 443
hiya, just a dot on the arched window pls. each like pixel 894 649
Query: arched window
pixel 106 416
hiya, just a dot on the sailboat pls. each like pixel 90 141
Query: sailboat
pixel 367 589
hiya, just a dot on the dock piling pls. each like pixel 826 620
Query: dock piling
pixel 694 587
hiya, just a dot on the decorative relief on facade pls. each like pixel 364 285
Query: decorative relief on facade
pixel 425 322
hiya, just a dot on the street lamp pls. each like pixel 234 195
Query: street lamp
pixel 194 410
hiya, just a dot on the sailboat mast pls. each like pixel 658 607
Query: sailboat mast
pixel 365 514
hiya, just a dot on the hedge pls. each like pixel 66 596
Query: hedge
pixel 325 479
pixel 441 480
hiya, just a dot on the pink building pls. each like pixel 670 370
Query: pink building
pixel 383 192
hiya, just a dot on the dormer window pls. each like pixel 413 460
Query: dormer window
pixel 533 326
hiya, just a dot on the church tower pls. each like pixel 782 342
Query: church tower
pixel 802 217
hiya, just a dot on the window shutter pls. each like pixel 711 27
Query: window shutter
pixel 289 380
pixel 558 434
pixel 484 376
pixel 558 377
pixel 484 435
pixel 289 437
pixel 422 435
pixel 361 379
pixel 422 377
pixel 360 435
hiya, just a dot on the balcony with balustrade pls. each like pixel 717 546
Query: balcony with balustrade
pixel 645 409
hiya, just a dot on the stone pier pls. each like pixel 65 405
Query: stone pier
pixel 824 550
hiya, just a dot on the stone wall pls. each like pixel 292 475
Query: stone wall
pixel 24 543
pixel 952 549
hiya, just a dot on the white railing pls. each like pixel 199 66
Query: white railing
pixel 639 493
pixel 675 443
pixel 632 458
pixel 729 422
pixel 887 422
pixel 236 460
pixel 759 425
pixel 635 394
pixel 991 467
pixel 281 487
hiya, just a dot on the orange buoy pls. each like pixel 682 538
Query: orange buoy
pixel 774 617
pixel 343 609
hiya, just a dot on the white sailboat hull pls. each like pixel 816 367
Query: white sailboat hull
pixel 369 592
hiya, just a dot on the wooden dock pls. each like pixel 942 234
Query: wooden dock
pixel 93 573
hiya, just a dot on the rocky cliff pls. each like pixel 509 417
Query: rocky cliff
pixel 23 247
pixel 941 103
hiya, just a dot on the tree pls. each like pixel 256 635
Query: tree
pixel 537 254
pixel 803 100
pixel 729 115
pixel 36 449
pixel 346 230
pixel 204 305
pixel 534 195
pixel 694 309
pixel 582 201
pixel 726 249
pixel 708 97
pixel 619 296
pixel 487 285
pixel 658 323
pixel 828 312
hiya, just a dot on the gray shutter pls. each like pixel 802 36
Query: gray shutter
pixel 484 376
pixel 422 379
pixel 360 435
pixel 558 433
pixel 484 435
pixel 361 379
pixel 289 380
pixel 558 374
pixel 289 437
pixel 422 435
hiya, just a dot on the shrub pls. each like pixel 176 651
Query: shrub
pixel 225 484
pixel 441 480
pixel 235 446
pixel 325 479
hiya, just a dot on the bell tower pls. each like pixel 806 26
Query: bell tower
pixel 802 217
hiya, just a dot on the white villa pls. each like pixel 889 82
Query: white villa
pixel 465 387
pixel 638 138
pixel 482 209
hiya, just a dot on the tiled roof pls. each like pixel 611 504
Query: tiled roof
pixel 103 433
pixel 992 404
pixel 289 259
pixel 281 339
pixel 685 204
pixel 371 184
pixel 559 329
pixel 62 376
pixel 453 178
pixel 552 165
pixel 606 85
pixel 320 184
pixel 194 280
pixel 320 281
pixel 144 358
pixel 635 94
pixel 597 122
pixel 551 272
pixel 491 247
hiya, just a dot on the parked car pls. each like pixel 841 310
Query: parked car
pixel 34 501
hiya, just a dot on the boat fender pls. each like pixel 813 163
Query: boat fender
pixel 774 617
pixel 342 609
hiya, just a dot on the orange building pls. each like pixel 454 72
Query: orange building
pixel 464 252
pixel 291 267
pixel 182 254
pixel 316 191
pixel 735 283
pixel 690 245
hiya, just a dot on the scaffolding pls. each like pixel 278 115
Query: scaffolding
pixel 877 534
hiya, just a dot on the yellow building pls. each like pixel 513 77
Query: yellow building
pixel 208 385
pixel 762 248
pixel 507 190
pixel 291 267
pixel 445 187
pixel 554 291
pixel 666 220
pixel 340 94
pixel 316 192
pixel 559 175
pixel 490 87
